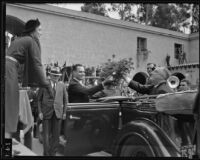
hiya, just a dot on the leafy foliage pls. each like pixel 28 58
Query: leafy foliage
pixel 171 16
pixel 163 15
pixel 195 18
pixel 96 8
pixel 117 69
pixel 89 71
pixel 124 10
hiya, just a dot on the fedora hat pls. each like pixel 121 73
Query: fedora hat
pixel 31 25
pixel 55 71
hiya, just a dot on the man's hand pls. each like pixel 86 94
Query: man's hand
pixel 126 78
pixel 64 116
pixel 108 81
pixel 41 116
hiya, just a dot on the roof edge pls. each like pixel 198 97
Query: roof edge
pixel 100 19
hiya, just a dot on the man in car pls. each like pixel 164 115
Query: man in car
pixel 184 85
pixel 150 68
pixel 77 91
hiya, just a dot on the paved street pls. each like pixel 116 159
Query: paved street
pixel 38 149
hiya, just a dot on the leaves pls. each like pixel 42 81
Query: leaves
pixel 117 69
pixel 95 8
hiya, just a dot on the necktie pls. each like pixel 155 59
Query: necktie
pixel 54 89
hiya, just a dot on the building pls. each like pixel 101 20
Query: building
pixel 78 37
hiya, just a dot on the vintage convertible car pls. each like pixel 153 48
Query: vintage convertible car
pixel 147 126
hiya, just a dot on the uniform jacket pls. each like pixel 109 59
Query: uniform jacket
pixel 79 93
pixel 160 88
pixel 58 103
pixel 156 84
pixel 26 50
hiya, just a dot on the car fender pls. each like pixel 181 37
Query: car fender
pixel 157 140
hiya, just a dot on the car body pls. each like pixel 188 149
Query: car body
pixel 124 126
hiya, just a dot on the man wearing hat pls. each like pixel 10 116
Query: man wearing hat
pixel 52 110
pixel 24 50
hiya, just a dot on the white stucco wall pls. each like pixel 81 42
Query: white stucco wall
pixel 194 48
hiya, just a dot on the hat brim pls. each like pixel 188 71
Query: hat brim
pixel 55 74
pixel 28 30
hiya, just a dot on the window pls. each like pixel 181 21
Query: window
pixel 178 48
pixel 141 44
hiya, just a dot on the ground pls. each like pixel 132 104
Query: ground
pixel 38 149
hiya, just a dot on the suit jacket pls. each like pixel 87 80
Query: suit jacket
pixel 58 103
pixel 80 94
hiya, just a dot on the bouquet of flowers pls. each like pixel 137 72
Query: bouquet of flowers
pixel 117 69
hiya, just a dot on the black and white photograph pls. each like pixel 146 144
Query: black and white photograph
pixel 100 80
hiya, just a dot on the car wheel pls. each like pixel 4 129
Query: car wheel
pixel 136 146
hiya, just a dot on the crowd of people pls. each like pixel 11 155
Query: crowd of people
pixel 49 94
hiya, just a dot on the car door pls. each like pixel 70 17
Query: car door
pixel 90 127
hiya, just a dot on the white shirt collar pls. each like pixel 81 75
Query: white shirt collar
pixel 52 83
pixel 80 81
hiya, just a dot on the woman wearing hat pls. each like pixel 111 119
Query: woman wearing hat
pixel 23 50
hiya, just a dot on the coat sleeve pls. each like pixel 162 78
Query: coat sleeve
pixel 143 89
pixel 85 90
pixel 40 97
pixel 37 73
pixel 65 98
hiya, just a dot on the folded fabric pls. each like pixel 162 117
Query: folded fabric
pixel 25 112
pixel 176 103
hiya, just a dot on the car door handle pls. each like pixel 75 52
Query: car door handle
pixel 74 117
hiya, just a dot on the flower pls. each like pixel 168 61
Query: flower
pixel 117 69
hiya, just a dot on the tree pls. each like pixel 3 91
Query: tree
pixel 145 13
pixel 124 10
pixel 195 18
pixel 96 8
pixel 175 17
pixel 171 16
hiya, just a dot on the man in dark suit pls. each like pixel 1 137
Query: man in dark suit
pixel 51 111
pixel 78 93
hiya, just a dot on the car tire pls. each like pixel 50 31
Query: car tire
pixel 135 146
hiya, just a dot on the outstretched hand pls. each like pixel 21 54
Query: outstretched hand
pixel 108 81
pixel 126 77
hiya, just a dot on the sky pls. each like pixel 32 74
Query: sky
pixel 77 7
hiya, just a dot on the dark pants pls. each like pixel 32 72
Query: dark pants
pixel 27 136
pixel 51 132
